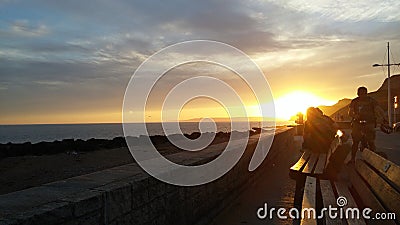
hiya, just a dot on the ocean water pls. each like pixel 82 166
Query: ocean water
pixel 51 132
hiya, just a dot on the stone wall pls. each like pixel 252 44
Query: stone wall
pixel 128 195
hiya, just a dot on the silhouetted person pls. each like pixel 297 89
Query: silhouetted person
pixel 319 131
pixel 364 111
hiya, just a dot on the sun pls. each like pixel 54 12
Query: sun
pixel 294 102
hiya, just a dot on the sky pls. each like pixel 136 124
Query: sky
pixel 71 61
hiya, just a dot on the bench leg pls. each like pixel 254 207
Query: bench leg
pixel 298 195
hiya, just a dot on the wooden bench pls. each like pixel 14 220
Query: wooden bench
pixel 373 182
pixel 314 164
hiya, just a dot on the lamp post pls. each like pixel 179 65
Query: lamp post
pixel 388 82
pixel 395 106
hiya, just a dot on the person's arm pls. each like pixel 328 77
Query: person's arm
pixel 352 112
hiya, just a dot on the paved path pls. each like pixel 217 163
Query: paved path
pixel 390 145
pixel 277 190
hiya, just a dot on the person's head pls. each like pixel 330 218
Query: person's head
pixel 362 91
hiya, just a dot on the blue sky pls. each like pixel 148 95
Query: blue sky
pixel 70 61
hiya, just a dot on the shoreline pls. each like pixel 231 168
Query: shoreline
pixel 93 144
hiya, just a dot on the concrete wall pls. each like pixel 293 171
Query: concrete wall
pixel 128 195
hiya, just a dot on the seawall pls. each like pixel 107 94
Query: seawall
pixel 128 195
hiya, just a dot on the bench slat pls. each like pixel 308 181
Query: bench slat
pixel 320 167
pixel 309 200
pixel 389 197
pixel 344 191
pixel 368 198
pixel 308 169
pixel 389 169
pixel 301 162
pixel 328 198
pixel 307 163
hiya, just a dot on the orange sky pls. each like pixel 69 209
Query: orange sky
pixel 71 62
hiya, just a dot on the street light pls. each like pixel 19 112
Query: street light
pixel 395 105
pixel 389 97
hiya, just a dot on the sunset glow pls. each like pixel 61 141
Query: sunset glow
pixel 297 101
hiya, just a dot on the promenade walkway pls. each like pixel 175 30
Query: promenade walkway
pixel 390 145
pixel 276 189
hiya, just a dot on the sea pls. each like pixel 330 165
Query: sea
pixel 50 132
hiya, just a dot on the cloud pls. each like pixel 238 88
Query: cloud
pixel 24 28
pixel 343 10
pixel 50 83
pixel 153 25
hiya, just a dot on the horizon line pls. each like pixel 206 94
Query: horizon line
pixel 251 119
